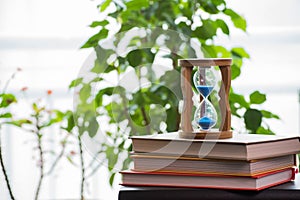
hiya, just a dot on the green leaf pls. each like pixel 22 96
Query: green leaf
pixel 93 41
pixel 139 99
pixel 20 122
pixel 172 119
pixel 6 100
pixel 6 115
pixel 69 158
pixel 93 126
pixel 253 119
pixel 262 130
pixel 207 30
pixel 209 7
pixel 127 161
pixel 135 57
pixel 218 2
pixel 208 51
pixel 106 91
pixel 269 115
pixel 99 23
pixel 75 82
pixel 85 93
pixel 58 117
pixel 100 68
pixel 240 99
pixel 238 21
pixel 36 109
pixel 240 52
pixel 111 156
pixel 111 179
pixel 104 5
pixel 257 98
pixel 70 121
pixel 100 64
pixel 223 26
pixel 125 27
pixel 137 4
pixel 235 71
pixel 222 52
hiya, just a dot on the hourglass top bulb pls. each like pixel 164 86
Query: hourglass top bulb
pixel 205 90
pixel 204 80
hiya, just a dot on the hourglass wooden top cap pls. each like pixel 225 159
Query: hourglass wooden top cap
pixel 205 62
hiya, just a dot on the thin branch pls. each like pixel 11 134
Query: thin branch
pixel 8 82
pixel 4 171
pixel 94 159
pixel 82 168
pixel 147 122
pixel 95 169
pixel 41 167
pixel 41 155
pixel 60 155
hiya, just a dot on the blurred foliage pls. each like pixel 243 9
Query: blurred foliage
pixel 149 31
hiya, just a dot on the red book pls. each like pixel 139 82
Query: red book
pixel 192 180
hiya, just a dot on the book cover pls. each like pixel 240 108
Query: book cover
pixel 169 163
pixel 239 147
pixel 191 180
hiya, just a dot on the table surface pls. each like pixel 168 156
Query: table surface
pixel 290 191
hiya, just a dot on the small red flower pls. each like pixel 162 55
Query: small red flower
pixel 19 69
pixel 23 89
pixel 49 92
pixel 72 153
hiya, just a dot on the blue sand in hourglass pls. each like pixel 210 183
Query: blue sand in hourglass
pixel 204 89
pixel 206 123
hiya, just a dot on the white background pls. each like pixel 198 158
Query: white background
pixel 43 38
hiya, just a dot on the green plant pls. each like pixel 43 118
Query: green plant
pixel 41 120
pixel 6 99
pixel 168 30
pixel 87 167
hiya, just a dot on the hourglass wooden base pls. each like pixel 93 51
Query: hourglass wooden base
pixel 211 134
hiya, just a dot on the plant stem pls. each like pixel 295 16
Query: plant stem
pixel 4 172
pixel 147 122
pixel 41 154
pixel 82 169
pixel 60 155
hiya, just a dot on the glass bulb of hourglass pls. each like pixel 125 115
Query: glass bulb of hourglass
pixel 205 115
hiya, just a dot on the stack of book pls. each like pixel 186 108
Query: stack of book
pixel 244 162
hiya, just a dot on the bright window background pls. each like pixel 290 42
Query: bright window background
pixel 43 38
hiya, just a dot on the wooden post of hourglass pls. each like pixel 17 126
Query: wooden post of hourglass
pixel 186 87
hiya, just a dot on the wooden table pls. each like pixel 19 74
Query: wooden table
pixel 287 191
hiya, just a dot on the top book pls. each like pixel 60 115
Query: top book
pixel 239 147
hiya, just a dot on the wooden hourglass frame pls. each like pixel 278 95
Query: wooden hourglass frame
pixel 187 92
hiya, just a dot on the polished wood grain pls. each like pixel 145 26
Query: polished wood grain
pixel 205 62
pixel 224 98
pixel 187 93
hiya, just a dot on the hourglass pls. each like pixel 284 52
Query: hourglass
pixel 205 116
pixel 205 80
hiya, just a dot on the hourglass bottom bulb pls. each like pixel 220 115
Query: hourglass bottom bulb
pixel 206 123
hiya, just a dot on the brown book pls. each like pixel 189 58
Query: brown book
pixel 239 147
pixel 259 182
pixel 169 163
